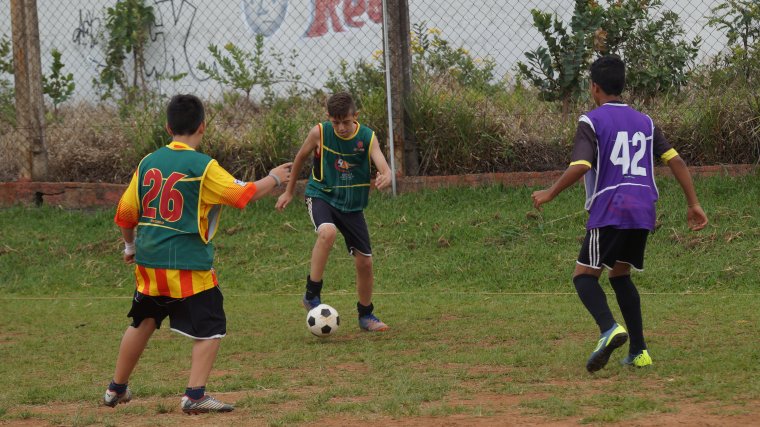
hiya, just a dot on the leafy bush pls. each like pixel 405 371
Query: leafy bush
pixel 648 39
pixel 7 100
pixel 127 30
pixel 651 43
pixel 741 21
pixel 244 70
pixel 557 69
pixel 56 85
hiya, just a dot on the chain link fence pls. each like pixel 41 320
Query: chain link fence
pixel 301 43
pixel 313 35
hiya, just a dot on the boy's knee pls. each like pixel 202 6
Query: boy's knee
pixel 363 261
pixel 327 234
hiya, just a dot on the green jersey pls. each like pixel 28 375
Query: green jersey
pixel 341 171
pixel 168 236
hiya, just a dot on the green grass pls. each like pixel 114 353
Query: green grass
pixel 485 322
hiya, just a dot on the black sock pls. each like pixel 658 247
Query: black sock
pixel 595 300
pixel 118 388
pixel 630 305
pixel 364 310
pixel 313 289
pixel 195 393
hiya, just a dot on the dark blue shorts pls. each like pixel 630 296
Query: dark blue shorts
pixel 200 316
pixel 351 225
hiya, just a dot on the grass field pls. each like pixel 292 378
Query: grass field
pixel 486 328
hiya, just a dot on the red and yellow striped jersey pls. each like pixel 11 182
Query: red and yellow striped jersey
pixel 219 187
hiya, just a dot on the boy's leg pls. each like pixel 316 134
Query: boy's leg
pixel 630 306
pixel 133 344
pixel 599 247
pixel 364 278
pixel 326 235
pixel 586 281
pixel 204 355
pixel 321 215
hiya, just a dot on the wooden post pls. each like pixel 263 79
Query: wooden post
pixel 400 55
pixel 30 107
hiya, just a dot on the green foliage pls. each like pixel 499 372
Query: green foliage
pixel 127 30
pixel 364 80
pixel 556 70
pixel 7 96
pixel 741 21
pixel 648 39
pixel 6 55
pixel 432 55
pixel 56 85
pixel 242 70
pixel 651 42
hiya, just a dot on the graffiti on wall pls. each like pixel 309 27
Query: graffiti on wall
pixel 85 34
pixel 264 16
pixel 174 18
pixel 342 12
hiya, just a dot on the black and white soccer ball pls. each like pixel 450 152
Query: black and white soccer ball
pixel 322 320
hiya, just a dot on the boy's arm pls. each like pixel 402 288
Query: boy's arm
pixel 384 176
pixel 571 176
pixel 695 216
pixel 127 217
pixel 129 244
pixel 309 145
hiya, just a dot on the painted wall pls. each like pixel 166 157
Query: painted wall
pixel 321 32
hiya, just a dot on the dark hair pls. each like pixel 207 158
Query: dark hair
pixel 609 73
pixel 341 105
pixel 184 114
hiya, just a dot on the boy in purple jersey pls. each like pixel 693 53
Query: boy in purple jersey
pixel 614 149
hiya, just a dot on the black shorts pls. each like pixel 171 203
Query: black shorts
pixel 351 225
pixel 200 316
pixel 605 246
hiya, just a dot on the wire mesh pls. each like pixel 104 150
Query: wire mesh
pixel 304 39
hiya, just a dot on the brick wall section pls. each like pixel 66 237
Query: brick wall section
pixel 75 195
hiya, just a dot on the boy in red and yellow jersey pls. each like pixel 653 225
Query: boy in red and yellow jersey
pixel 168 216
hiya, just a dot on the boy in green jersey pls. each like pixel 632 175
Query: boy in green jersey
pixel 336 195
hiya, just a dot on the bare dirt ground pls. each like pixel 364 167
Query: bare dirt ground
pixel 497 409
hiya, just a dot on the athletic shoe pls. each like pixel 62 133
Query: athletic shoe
pixel 111 398
pixel 608 342
pixel 308 304
pixel 638 360
pixel 204 405
pixel 372 323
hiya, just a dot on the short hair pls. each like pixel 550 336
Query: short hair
pixel 608 72
pixel 341 105
pixel 184 114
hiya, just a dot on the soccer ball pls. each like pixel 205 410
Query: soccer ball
pixel 322 320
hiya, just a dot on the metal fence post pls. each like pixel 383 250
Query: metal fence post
pixel 30 107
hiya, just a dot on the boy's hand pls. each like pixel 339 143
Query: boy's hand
pixel 283 201
pixel 540 197
pixel 129 259
pixel 282 172
pixel 696 218
pixel 382 180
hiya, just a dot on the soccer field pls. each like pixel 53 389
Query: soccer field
pixel 486 327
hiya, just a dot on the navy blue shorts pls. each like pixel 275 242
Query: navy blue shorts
pixel 200 316
pixel 605 246
pixel 351 225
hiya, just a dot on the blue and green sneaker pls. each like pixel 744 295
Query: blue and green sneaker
pixel 308 304
pixel 638 360
pixel 608 342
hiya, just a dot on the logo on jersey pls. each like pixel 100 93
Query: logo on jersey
pixel 240 183
pixel 359 147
